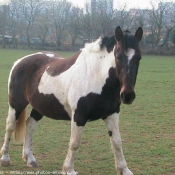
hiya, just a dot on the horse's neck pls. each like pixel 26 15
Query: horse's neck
pixel 98 63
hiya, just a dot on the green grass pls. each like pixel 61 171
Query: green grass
pixel 147 126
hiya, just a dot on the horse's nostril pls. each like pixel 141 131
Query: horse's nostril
pixel 122 96
pixel 127 97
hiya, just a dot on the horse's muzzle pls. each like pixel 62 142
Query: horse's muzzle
pixel 127 97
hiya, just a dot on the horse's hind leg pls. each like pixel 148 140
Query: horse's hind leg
pixel 15 122
pixel 10 127
pixel 31 125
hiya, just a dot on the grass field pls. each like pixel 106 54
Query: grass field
pixel 147 127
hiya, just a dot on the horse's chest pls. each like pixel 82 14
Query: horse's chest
pixel 96 106
pixel 90 99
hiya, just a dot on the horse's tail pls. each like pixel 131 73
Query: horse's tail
pixel 19 131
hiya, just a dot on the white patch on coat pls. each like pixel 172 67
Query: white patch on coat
pixel 130 53
pixel 16 63
pixel 95 46
pixel 31 125
pixel 50 54
pixel 88 74
pixel 75 140
pixel 11 115
pixel 10 127
pixel 112 124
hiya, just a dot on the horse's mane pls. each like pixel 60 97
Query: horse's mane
pixel 108 42
pixel 94 46
pixel 126 31
pixel 128 41
pixel 100 43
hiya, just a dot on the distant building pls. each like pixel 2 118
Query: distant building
pixel 5 2
pixel 91 6
pixel 23 1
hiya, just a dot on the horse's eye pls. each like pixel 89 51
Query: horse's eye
pixel 117 57
pixel 118 50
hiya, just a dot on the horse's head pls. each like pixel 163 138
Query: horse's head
pixel 127 56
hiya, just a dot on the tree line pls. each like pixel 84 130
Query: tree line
pixel 60 23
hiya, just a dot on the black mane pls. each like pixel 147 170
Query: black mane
pixel 128 41
pixel 126 31
pixel 108 42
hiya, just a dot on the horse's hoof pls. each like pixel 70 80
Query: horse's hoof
pixel 71 172
pixel 126 172
pixel 5 163
pixel 32 164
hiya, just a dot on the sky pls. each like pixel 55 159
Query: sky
pixel 143 4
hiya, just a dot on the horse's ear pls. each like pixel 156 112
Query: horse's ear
pixel 118 33
pixel 139 34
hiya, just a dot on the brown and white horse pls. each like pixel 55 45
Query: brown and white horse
pixel 88 86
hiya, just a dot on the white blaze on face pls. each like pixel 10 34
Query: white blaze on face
pixel 130 53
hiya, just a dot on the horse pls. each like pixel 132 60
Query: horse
pixel 88 86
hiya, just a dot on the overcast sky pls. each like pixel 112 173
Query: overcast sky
pixel 144 4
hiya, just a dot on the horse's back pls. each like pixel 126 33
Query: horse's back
pixel 28 67
pixel 25 78
pixel 24 73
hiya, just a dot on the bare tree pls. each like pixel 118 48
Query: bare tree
pixel 105 17
pixel 61 22
pixel 75 25
pixel 156 21
pixel 43 23
pixel 31 11
pixel 122 16
pixel 60 12
pixel 3 22
pixel 14 20
pixel 43 31
pixel 100 20
pixel 172 17
pixel 137 18
pixel 88 26
pixel 172 35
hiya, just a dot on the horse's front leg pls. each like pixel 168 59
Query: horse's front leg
pixel 112 124
pixel 75 140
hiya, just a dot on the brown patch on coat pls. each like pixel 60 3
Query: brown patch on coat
pixel 25 78
pixel 64 64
